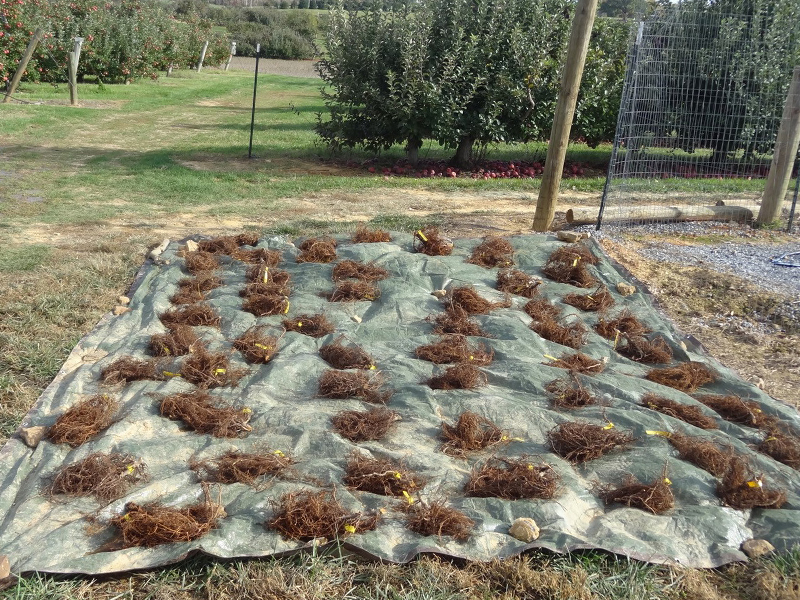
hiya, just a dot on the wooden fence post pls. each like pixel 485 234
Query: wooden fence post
pixel 74 59
pixel 202 56
pixel 780 171
pixel 231 55
pixel 565 111
pixel 23 63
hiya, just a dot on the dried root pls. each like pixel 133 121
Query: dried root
pixel 569 393
pixel 199 262
pixel 642 350
pixel 219 245
pixel 317 250
pixel 350 269
pixel 242 467
pixel 353 384
pixel 568 265
pixel 702 453
pixel 127 368
pixel 180 340
pixel 436 518
pixel 512 479
pixel 263 305
pixel 429 241
pixel 364 426
pixel 104 476
pixel 155 524
pixel 655 497
pixel 455 349
pixel 380 476
pixel 256 347
pixel 248 238
pixel 258 256
pixel 471 433
pixel 193 315
pixel 210 369
pixel 350 291
pixel 735 409
pixel 456 321
pixel 265 289
pixel 579 442
pixel 513 281
pixel 600 299
pixel 578 363
pixel 468 300
pixel 311 325
pixel 200 413
pixel 266 273
pixel 340 356
pixel 740 488
pixel 363 235
pixel 686 377
pixel 686 413
pixel 623 324
pixel 463 376
pixel 309 515
pixel 573 335
pixel 541 310
pixel 187 296
pixel 782 447
pixel 493 251
pixel 83 421
pixel 204 282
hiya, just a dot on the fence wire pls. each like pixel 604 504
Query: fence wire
pixel 701 106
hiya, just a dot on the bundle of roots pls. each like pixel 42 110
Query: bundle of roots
pixel 248 238
pixel 735 409
pixel 104 476
pixel 127 369
pixel 193 289
pixel 350 291
pixel 363 235
pixel 227 244
pixel 155 524
pixel 569 393
pixel 350 269
pixel 625 323
pixel 568 265
pixel 468 300
pixel 471 433
pixel 655 497
pixel 266 273
pixel 686 413
pixel 578 363
pixel 463 376
pixel 380 476
pixel 317 250
pixel 436 518
pixel 429 241
pixel 210 369
pixel 598 300
pixel 740 488
pixel 256 346
pixel 193 315
pixel 201 413
pixel 180 340
pixel 311 325
pixel 83 421
pixel 703 453
pixel 541 310
pixel 493 251
pixel 242 467
pixel 579 442
pixel 782 447
pixel 199 262
pixel 455 349
pixel 573 335
pixel 512 479
pixel 187 296
pixel 265 305
pixel 258 256
pixel 364 426
pixel 308 515
pixel 514 281
pixel 340 356
pixel 456 321
pixel 353 384
pixel 642 350
pixel 264 289
pixel 686 377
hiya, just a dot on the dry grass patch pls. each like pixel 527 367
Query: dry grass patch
pixel 541 310
pixel 512 479
pixel 782 447
pixel 258 256
pixel 106 476
pixel 200 412
pixel 83 421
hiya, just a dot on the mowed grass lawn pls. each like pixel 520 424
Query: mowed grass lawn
pixel 84 192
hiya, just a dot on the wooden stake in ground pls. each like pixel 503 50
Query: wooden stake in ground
pixel 74 59
pixel 23 63
pixel 780 171
pixel 231 55
pixel 202 56
pixel 565 111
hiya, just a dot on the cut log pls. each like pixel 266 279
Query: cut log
pixel 587 216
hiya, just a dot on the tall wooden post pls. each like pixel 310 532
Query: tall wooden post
pixel 565 111
pixel 23 63
pixel 780 171
pixel 74 59
pixel 253 114
pixel 202 56
pixel 231 55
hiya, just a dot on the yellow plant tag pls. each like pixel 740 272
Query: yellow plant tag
pixel 246 410
pixel 166 350
pixel 770 439
pixel 609 426
pixel 550 357
pixel 266 274
pixel 421 235
pixel 131 469
pixel 263 347
pixel 278 453
pixel 472 358
pixel 655 432
pixel 170 374
pixel 300 324
pixel 220 371
pixel 287 307
pixel 372 367
pixel 667 481
pixel 408 497
pixel 616 339
pixel 575 262
pixel 382 511
pixel 756 483
pixel 397 475
pixel 530 467
pixel 349 529
pixel 589 298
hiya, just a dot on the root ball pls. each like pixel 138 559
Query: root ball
pixel 364 426
pixel 83 421
pixel 579 442
pixel 512 479
pixel 202 414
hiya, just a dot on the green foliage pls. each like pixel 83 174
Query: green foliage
pixel 25 258
pixel 282 34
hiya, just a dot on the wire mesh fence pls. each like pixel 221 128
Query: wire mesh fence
pixel 701 107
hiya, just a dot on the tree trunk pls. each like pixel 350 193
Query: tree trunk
pixel 463 156
pixel 412 150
